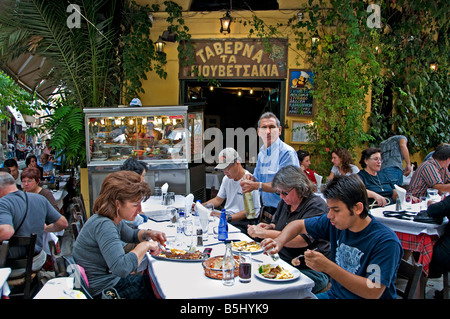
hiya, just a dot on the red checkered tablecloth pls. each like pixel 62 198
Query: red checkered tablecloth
pixel 422 243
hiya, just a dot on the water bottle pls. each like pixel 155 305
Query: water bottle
pixel 180 228
pixel 196 215
pixel 228 265
pixel 223 226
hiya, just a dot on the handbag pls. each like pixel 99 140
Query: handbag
pixel 424 217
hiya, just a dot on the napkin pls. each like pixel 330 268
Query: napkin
pixel 203 212
pixel 164 188
pixel 318 180
pixel 401 194
pixel 188 200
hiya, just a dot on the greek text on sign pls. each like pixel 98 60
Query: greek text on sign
pixel 238 58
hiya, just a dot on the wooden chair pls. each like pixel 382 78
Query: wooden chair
pixel 79 204
pixel 412 274
pixel 3 252
pixel 23 274
pixel 78 219
pixel 446 290
pixel 57 260
pixel 80 279
pixel 265 217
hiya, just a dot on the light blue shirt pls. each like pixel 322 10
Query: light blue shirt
pixel 270 161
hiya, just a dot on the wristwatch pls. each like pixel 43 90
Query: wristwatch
pixel 260 187
pixel 144 237
pixel 229 219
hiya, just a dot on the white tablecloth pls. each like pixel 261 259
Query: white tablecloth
pixel 407 226
pixel 186 280
pixel 4 288
pixel 153 208
pixel 214 180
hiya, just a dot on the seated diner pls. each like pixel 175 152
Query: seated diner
pixel 378 185
pixel 99 249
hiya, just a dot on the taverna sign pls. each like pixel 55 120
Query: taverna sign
pixel 238 59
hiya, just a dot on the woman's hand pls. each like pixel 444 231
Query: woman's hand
pixel 153 248
pixel 158 236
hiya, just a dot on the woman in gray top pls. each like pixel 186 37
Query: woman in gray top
pixel 99 249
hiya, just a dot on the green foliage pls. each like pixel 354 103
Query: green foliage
pixel 12 95
pixel 415 36
pixel 345 67
pixel 66 126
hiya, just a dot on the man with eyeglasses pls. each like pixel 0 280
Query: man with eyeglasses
pixel 231 191
pixel 273 155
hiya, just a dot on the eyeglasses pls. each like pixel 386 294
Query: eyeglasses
pixel 284 193
pixel 376 159
pixel 227 169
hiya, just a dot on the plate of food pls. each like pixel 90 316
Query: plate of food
pixel 277 273
pixel 246 246
pixel 174 254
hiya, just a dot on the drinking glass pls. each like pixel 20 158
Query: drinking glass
pixel 157 193
pixel 204 220
pixel 408 200
pixel 245 266
pixel 423 203
pixel 173 214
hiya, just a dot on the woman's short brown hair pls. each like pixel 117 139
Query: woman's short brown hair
pixel 122 186
pixel 32 173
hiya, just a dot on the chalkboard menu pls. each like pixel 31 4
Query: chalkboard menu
pixel 300 100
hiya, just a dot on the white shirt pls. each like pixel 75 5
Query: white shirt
pixel 231 190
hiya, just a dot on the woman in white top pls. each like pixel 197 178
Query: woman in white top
pixel 342 163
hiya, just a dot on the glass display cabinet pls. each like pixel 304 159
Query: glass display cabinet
pixel 169 139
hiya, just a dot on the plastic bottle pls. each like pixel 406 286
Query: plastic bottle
pixel 249 206
pixel 180 228
pixel 228 265
pixel 223 226
pixel 196 215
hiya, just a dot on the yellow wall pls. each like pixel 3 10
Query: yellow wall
pixel 205 25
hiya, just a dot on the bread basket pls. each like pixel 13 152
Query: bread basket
pixel 216 273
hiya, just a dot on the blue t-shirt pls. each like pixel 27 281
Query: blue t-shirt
pixel 270 161
pixel 374 253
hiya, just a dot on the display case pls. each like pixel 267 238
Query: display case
pixel 168 138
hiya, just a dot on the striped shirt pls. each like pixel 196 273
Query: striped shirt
pixel 428 174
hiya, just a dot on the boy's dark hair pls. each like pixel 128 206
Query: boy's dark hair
pixel 350 190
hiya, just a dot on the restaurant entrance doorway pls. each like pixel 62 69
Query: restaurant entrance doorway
pixel 235 104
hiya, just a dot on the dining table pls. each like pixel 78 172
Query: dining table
pixel 414 236
pixel 181 279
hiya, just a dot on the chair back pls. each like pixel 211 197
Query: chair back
pixel 412 273
pixel 57 260
pixel 73 269
pixel 25 263
pixel 80 206
pixel 3 252
pixel 264 216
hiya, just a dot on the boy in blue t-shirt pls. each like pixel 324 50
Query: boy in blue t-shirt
pixel 365 254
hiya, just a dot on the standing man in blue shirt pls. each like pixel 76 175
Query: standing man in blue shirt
pixel 272 156
pixel 365 254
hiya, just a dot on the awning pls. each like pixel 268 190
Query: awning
pixel 18 116
pixel 28 70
